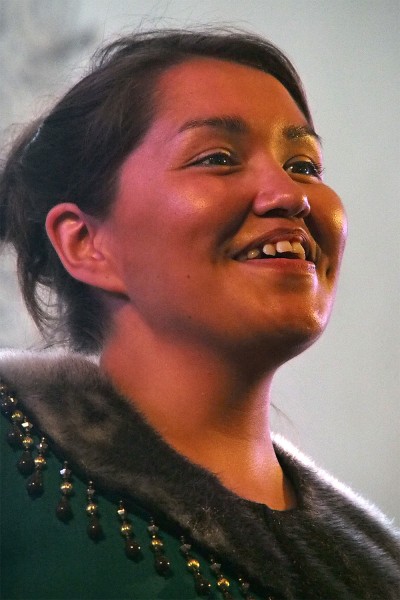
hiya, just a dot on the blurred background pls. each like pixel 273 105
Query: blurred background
pixel 339 402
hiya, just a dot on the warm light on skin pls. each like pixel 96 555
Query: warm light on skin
pixel 176 221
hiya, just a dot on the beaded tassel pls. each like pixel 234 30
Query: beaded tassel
pixel 7 401
pixel 42 448
pixel 26 464
pixel 223 583
pixel 201 584
pixel 8 407
pixel 20 435
pixel 244 588
pixel 63 510
pixel 34 484
pixel 94 529
pixel 132 548
pixel 161 562
pixel 14 436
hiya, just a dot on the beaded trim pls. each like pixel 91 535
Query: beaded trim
pixel 20 436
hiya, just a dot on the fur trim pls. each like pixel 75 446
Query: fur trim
pixel 371 510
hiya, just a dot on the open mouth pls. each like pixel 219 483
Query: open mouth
pixel 282 249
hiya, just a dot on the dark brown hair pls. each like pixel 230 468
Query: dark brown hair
pixel 74 153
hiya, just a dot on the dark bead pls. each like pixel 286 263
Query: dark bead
pixel 162 564
pixel 216 568
pixel 34 485
pixel 152 529
pixel 202 585
pixel 26 464
pixel 244 588
pixel 132 549
pixel 63 510
pixel 185 548
pixel 14 437
pixel 5 405
pixel 94 529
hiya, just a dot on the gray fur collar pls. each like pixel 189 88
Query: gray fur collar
pixel 107 440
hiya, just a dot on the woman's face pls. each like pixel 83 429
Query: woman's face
pixel 226 177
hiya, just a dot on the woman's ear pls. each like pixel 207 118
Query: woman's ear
pixel 78 240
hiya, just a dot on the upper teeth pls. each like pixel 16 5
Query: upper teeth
pixel 278 248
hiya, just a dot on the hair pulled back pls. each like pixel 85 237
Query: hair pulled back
pixel 74 153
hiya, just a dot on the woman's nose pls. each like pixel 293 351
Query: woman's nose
pixel 281 196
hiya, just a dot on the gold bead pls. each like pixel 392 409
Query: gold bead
pixel 193 564
pixel 27 442
pixel 40 461
pixel 91 508
pixel 17 416
pixel 157 544
pixel 66 488
pixel 223 583
pixel 126 529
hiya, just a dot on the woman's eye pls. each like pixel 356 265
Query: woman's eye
pixel 217 159
pixel 308 168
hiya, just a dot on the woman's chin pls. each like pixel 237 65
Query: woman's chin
pixel 291 337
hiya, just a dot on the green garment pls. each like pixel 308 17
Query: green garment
pixel 46 559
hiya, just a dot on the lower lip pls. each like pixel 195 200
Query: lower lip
pixel 286 265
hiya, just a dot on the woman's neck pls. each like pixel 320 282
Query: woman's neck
pixel 210 409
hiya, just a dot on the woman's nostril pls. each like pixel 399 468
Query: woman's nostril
pixel 282 206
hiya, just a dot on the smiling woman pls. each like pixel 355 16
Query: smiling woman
pixel 173 201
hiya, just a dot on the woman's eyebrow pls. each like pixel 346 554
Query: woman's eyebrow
pixel 230 124
pixel 234 124
pixel 299 132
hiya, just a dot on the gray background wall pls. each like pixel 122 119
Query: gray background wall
pixel 341 398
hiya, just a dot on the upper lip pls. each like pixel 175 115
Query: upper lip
pixel 283 233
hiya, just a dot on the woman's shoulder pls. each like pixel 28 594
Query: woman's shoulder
pixel 331 490
pixel 336 505
pixel 30 368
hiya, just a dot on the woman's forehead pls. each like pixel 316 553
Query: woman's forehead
pixel 215 81
pixel 208 91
